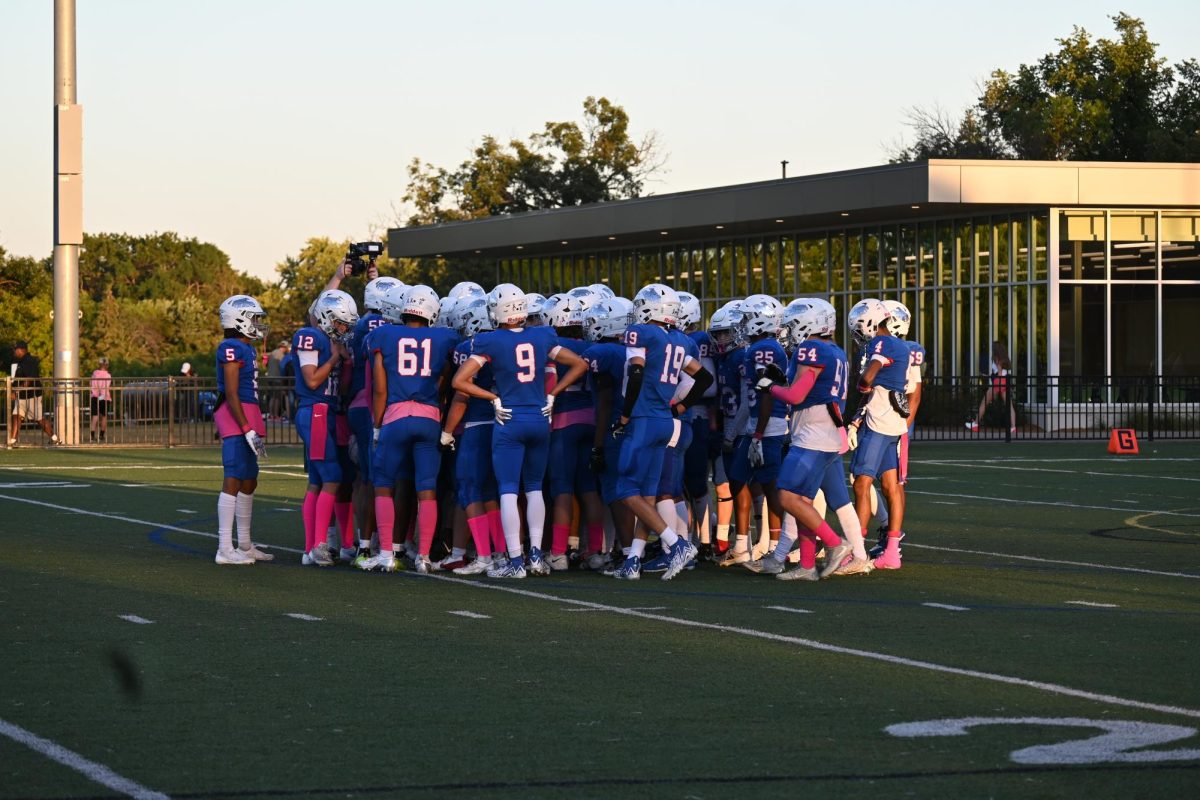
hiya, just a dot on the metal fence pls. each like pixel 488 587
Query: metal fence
pixel 177 411
pixel 173 411
pixel 1063 407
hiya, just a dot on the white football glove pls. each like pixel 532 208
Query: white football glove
pixel 548 409
pixel 764 385
pixel 375 437
pixel 447 440
pixel 756 454
pixel 257 444
pixel 852 436
pixel 503 414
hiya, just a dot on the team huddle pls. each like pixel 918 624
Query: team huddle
pixel 631 416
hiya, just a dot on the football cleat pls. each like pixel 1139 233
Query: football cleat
pixel 320 555
pixel 765 566
pixel 558 562
pixel 888 560
pixel 973 427
pixel 507 568
pixel 476 567
pixel 384 562
pixel 346 555
pixel 881 545
pixel 630 569
pixel 363 554
pixel 855 566
pixel 537 564
pixel 596 561
pixel 234 558
pixel 706 552
pixel 681 553
pixel 423 565
pixel 449 564
pixel 734 557
pixel 660 563
pixel 256 554
pixel 835 558
pixel 799 574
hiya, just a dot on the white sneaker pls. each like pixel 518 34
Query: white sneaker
pixel 733 558
pixel 834 559
pixel 596 561
pixel 379 563
pixel 320 555
pixel 12 442
pixel 422 565
pixel 233 557
pixel 799 574
pixel 856 566
pixel 557 562
pixel 476 567
pixel 503 567
pixel 256 554
pixel 765 566
pixel 306 560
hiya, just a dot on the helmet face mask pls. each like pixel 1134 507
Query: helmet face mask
pixel 865 318
pixel 244 314
pixel 899 318
pixel 335 313
pixel 723 328
pixel 806 317
pixel 689 310
pixel 473 318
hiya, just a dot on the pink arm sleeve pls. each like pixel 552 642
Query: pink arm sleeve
pixel 797 391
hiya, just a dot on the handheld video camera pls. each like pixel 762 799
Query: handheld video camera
pixel 363 254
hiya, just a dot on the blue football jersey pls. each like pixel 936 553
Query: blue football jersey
pixel 834 366
pixel 313 340
pixel 359 351
pixel 413 360
pixel 758 356
pixel 665 357
pixel 729 382
pixel 895 353
pixel 577 395
pixel 241 353
pixel 478 410
pixel 692 351
pixel 608 358
pixel 518 358
pixel 706 353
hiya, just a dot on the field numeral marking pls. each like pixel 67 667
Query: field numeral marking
pixel 1110 747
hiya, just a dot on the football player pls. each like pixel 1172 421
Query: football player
pixel 723 328
pixel 882 419
pixel 520 445
pixel 411 362
pixel 320 351
pixel 653 365
pixel 240 425
pixel 697 464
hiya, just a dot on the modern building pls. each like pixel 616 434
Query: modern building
pixel 1079 268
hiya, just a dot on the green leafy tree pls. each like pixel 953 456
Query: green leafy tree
pixel 1091 99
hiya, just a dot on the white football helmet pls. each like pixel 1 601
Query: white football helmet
pixel 473 316
pixel 422 301
pixel 535 303
pixel 507 305
pixel 761 315
pixel 374 293
pixel 899 318
pixel 865 318
pixel 607 318
pixel 580 300
pixel 467 289
pixel 245 315
pixel 689 310
pixel 723 327
pixel 805 317
pixel 602 290
pixel 447 309
pixel 335 313
pixel 392 303
pixel 656 302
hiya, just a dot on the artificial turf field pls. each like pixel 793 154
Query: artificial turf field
pixel 1042 582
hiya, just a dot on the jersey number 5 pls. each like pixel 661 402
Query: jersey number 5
pixel 408 363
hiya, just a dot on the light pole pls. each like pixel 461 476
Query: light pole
pixel 68 223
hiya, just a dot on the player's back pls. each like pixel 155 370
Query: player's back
pixel 518 358
pixel 413 360
pixel 577 395
pixel 759 355
pixel 241 353
pixel 664 361
pixel 607 358
pixel 893 374
pixel 358 350
pixel 833 368
pixel 729 381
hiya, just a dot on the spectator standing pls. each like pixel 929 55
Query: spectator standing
pixel 28 402
pixel 275 390
pixel 101 398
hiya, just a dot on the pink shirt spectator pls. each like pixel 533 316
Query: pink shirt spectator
pixel 101 380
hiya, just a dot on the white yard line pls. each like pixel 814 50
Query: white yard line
pixel 789 610
pixel 469 614
pixel 135 619
pixel 134 520
pixel 946 606
pixel 1091 605
pixel 984 465
pixel 97 773
pixel 305 617
pixel 1138 570
pixel 1057 503
pixel 1052 688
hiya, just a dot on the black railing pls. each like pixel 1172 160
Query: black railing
pixel 1064 407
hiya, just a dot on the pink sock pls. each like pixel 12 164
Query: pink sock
pixel 496 525
pixel 385 521
pixel 826 535
pixel 322 516
pixel 481 535
pixel 893 542
pixel 308 512
pixel 595 531
pixel 344 513
pixel 558 538
pixel 808 550
pixel 427 520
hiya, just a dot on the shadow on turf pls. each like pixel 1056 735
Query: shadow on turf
pixel 583 783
